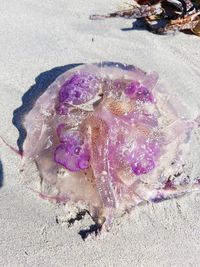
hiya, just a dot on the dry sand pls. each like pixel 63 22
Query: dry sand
pixel 37 36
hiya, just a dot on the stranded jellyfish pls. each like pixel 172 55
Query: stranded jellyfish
pixel 108 136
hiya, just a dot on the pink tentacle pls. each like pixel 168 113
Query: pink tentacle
pixel 17 151
pixel 99 155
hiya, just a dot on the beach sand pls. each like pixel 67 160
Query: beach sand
pixel 35 38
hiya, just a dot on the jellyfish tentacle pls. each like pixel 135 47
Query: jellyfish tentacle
pixel 98 136
pixel 147 193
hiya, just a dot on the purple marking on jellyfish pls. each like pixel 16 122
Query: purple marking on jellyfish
pixel 169 185
pixel 143 157
pixel 139 92
pixel 143 167
pixel 72 149
pixel 132 88
pixel 158 198
pixel 79 88
pixel 83 161
pixel 63 155
pixel 62 109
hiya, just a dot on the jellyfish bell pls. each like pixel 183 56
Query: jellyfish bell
pixel 103 134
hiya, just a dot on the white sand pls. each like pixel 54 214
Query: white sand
pixel 36 36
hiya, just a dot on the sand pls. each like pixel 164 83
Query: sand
pixel 38 36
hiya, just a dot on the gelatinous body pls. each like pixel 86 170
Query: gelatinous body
pixel 110 136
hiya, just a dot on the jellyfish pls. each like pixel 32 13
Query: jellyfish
pixel 108 136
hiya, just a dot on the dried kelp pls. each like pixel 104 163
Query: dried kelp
pixel 162 17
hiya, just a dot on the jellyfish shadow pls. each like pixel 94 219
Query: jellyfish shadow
pixel 42 81
pixel 1 174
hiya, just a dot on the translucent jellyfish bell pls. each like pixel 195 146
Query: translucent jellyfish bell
pixel 104 135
